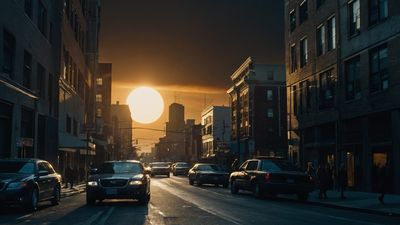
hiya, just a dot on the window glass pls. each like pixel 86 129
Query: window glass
pixel 252 165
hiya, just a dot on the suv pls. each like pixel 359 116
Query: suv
pixel 273 176
pixel 118 180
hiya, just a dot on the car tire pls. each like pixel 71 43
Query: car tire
pixel 144 200
pixel 191 182
pixel 257 192
pixel 302 197
pixel 234 188
pixel 90 200
pixel 56 196
pixel 32 200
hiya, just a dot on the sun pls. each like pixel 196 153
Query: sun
pixel 146 105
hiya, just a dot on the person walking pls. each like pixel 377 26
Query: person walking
pixel 382 182
pixel 69 177
pixel 342 180
pixel 322 177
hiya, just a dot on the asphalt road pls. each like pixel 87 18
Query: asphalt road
pixel 174 201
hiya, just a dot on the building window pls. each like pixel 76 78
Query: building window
pixel 50 93
pixel 319 3
pixel 68 124
pixel 99 98
pixel 303 11
pixel 353 79
pixel 68 8
pixel 294 92
pixel 308 95
pixel 75 128
pixel 292 20
pixel 354 20
pixel 26 81
pixel 270 75
pixel 99 81
pixel 8 52
pixel 327 85
pixel 293 59
pixel 28 8
pixel 305 96
pixel 98 112
pixel 379 75
pixel 303 52
pixel 331 25
pixel 321 32
pixel 270 113
pixel 378 11
pixel 40 80
pixel 42 18
pixel 270 95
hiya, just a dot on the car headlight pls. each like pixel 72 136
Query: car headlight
pixel 16 185
pixel 135 182
pixel 92 183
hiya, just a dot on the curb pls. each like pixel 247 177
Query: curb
pixel 69 192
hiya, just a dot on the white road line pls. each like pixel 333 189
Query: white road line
pixel 105 217
pixel 92 218
pixel 24 216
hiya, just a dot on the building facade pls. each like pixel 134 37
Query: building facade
pixel 122 135
pixel 216 133
pixel 29 72
pixel 258 107
pixel 342 87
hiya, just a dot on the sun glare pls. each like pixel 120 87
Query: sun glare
pixel 146 105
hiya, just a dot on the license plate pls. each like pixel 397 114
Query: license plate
pixel 111 191
pixel 290 181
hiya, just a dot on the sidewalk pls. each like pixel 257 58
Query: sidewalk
pixel 66 192
pixel 358 201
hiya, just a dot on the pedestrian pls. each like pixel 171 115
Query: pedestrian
pixel 322 177
pixel 69 176
pixel 342 180
pixel 382 182
pixel 329 173
pixel 310 170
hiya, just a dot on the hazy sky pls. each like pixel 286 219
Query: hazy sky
pixel 186 49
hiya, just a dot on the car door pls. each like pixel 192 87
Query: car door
pixel 240 175
pixel 53 179
pixel 43 181
pixel 249 173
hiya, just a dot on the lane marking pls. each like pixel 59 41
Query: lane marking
pixel 105 217
pixel 92 218
pixel 24 216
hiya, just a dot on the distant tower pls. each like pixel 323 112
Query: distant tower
pixel 176 116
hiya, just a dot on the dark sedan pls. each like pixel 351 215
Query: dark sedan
pixel 203 173
pixel 180 168
pixel 118 180
pixel 28 181
pixel 273 176
pixel 160 168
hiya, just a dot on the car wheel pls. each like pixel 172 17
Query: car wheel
pixel 90 200
pixel 56 196
pixel 257 192
pixel 144 200
pixel 32 200
pixel 191 182
pixel 302 197
pixel 234 188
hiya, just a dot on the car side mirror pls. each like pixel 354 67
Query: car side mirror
pixel 93 171
pixel 43 173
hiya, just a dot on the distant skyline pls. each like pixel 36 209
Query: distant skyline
pixel 187 50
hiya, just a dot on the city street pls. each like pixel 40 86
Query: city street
pixel 174 201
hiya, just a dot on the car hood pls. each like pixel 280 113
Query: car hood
pixel 8 177
pixel 116 176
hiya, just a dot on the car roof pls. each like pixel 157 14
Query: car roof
pixel 22 160
pixel 270 157
pixel 118 161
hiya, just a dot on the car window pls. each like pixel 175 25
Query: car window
pixel 17 167
pixel 209 168
pixel 252 165
pixel 49 168
pixel 160 164
pixel 121 167
pixel 182 165
pixel 275 166
pixel 42 167
pixel 243 166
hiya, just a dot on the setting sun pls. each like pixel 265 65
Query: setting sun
pixel 146 105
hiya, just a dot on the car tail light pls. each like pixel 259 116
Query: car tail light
pixel 267 176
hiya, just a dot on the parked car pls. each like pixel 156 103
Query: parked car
pixel 118 180
pixel 180 168
pixel 205 173
pixel 273 176
pixel 160 168
pixel 26 182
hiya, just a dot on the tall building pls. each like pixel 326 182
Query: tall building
pixel 258 107
pixel 29 73
pixel 175 128
pixel 122 135
pixel 216 133
pixel 342 77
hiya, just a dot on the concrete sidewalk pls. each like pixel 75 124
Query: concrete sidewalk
pixel 358 201
pixel 66 192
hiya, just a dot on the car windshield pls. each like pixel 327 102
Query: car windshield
pixel 276 166
pixel 182 165
pixel 120 167
pixel 17 167
pixel 209 168
pixel 160 164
